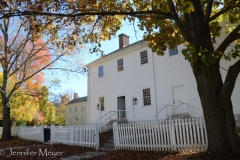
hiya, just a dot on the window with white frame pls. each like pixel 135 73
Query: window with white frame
pixel 75 109
pixel 82 108
pixel 101 100
pixel 100 71
pixel 146 97
pixel 120 64
pixel 144 57
pixel 173 51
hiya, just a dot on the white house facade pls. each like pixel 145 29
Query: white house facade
pixel 134 71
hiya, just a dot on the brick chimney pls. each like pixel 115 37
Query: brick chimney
pixel 123 40
pixel 75 95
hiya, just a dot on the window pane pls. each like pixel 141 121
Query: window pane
pixel 101 100
pixel 146 97
pixel 120 64
pixel 144 57
pixel 100 71
pixel 173 51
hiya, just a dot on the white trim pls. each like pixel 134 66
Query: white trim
pixel 118 53
pixel 88 97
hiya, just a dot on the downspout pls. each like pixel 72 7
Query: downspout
pixel 154 79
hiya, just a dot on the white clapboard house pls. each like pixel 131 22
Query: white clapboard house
pixel 135 84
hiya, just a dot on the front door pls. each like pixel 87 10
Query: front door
pixel 179 96
pixel 121 107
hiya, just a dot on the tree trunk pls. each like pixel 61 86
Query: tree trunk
pixel 6 134
pixel 218 114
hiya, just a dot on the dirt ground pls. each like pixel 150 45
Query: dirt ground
pixel 35 150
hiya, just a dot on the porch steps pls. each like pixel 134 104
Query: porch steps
pixel 110 124
pixel 109 146
pixel 178 116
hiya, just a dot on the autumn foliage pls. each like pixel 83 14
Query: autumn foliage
pixel 166 23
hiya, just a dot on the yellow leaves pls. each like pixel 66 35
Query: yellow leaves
pixel 189 9
pixel 187 6
pixel 148 18
pixel 215 28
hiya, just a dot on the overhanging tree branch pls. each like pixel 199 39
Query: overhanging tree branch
pixel 208 12
pixel 234 35
pixel 224 10
pixel 230 80
pixel 64 69
pixel 87 13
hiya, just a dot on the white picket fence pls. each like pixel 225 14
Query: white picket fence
pixel 29 132
pixel 175 135
pixel 87 136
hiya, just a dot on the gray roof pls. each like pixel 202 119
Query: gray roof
pixel 78 100
pixel 57 105
pixel 117 51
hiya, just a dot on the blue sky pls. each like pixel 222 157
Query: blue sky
pixel 78 84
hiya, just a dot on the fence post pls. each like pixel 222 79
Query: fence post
pixel 52 133
pixel 173 142
pixel 16 130
pixel 96 136
pixel 42 133
pixel 71 135
pixel 115 135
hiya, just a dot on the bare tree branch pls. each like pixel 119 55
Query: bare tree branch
pixel 64 69
pixel 17 34
pixel 17 85
pixel 18 52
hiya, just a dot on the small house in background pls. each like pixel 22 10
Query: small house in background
pixel 76 111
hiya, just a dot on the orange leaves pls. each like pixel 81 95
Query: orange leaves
pixel 38 56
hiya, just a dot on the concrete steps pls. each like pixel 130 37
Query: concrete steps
pixel 109 146
pixel 179 116
pixel 110 123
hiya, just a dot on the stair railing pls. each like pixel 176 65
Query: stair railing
pixel 109 115
pixel 180 104
pixel 166 106
pixel 115 112
pixel 100 120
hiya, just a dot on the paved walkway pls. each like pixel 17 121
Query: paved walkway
pixel 107 147
pixel 84 156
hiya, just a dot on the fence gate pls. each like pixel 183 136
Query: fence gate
pixel 47 134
